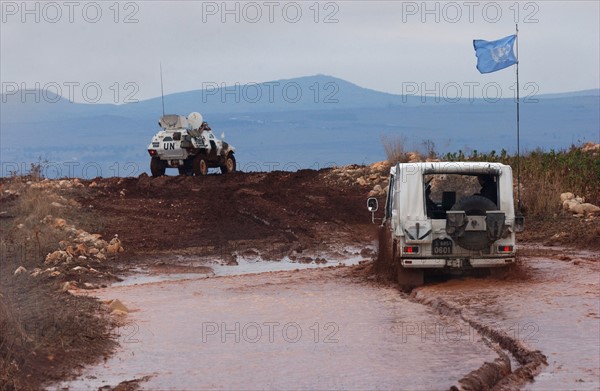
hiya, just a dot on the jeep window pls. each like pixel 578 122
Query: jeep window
pixel 442 191
pixel 389 200
pixel 168 138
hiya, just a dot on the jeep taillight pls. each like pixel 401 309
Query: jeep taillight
pixel 410 249
pixel 505 249
pixel 152 152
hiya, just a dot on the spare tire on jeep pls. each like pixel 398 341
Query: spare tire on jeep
pixel 474 205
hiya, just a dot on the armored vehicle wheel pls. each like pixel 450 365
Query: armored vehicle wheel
pixel 229 164
pixel 157 167
pixel 200 165
pixel 187 169
pixel 474 206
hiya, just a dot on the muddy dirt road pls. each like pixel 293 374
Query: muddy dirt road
pixel 198 320
pixel 309 329
pixel 332 328
pixel 553 306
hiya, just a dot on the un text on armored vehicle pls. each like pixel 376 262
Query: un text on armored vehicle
pixel 447 216
pixel 188 144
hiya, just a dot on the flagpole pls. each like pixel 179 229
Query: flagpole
pixel 162 95
pixel 518 129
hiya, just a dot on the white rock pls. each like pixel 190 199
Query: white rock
pixel 48 219
pixel 116 304
pixel 68 286
pixel 20 270
pixel 361 181
pixel 583 209
pixel 115 246
pixel 589 147
pixel 36 272
pixel 566 196
pixel 58 256
pixel 568 204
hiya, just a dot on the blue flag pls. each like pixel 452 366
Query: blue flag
pixel 494 55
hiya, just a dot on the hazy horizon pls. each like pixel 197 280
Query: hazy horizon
pixel 384 46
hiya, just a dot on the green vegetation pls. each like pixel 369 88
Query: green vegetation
pixel 544 174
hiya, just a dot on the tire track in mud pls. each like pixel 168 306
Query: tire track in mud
pixel 498 374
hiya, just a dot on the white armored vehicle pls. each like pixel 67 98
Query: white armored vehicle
pixel 188 144
pixel 447 216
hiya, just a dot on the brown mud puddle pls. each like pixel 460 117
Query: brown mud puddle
pixel 551 304
pixel 307 329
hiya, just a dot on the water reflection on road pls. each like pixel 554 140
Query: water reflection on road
pixel 553 307
pixel 309 329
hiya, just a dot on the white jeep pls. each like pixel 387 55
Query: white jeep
pixel 447 216
pixel 188 144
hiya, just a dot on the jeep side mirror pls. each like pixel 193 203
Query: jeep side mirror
pixel 519 223
pixel 372 204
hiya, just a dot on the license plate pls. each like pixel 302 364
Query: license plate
pixel 442 247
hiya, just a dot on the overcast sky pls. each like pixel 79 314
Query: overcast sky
pixel 380 45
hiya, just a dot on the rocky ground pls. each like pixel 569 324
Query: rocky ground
pixel 72 237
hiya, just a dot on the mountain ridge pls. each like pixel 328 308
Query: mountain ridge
pixel 306 131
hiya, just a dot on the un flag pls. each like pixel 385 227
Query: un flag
pixel 494 55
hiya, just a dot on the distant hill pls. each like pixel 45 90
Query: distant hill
pixel 575 94
pixel 307 122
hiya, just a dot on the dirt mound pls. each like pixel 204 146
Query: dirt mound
pixel 282 211
pixel 563 230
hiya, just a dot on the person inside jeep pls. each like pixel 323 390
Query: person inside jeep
pixel 429 204
pixel 489 189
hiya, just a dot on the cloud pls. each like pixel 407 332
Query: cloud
pixel 373 44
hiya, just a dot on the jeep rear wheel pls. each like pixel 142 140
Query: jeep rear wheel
pixel 384 263
pixel 409 278
pixel 229 164
pixel 157 167
pixel 499 273
pixel 200 165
